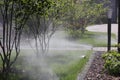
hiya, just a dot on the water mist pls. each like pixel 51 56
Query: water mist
pixel 38 67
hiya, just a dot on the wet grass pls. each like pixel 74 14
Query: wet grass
pixel 66 64
pixel 96 39
pixel 71 71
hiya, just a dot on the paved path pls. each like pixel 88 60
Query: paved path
pixel 103 48
pixel 103 28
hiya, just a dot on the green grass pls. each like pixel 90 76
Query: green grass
pixel 66 64
pixel 71 72
pixel 96 39
pixel 71 69
pixel 0 63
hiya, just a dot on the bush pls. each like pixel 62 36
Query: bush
pixel 112 62
pixel 74 34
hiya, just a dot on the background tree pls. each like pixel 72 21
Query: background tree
pixel 83 13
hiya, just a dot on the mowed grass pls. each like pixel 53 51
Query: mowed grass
pixel 71 72
pixel 68 68
pixel 96 39
pixel 67 64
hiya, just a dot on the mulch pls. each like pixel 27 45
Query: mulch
pixel 97 71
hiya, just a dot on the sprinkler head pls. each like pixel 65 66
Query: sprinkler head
pixel 83 56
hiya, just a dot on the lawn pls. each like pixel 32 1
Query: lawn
pixel 60 64
pixel 71 70
pixel 65 65
pixel 96 39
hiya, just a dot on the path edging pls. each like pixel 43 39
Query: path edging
pixel 82 74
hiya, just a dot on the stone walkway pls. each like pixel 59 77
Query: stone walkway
pixel 103 48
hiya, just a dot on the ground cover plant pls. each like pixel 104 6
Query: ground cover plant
pixel 97 70
pixel 112 62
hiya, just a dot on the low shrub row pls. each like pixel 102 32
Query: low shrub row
pixel 112 62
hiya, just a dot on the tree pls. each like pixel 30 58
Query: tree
pixel 44 26
pixel 83 13
pixel 14 13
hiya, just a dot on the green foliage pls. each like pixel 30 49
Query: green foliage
pixel 74 34
pixel 117 45
pixel 112 62
pixel 12 76
pixel 83 13
pixel 14 14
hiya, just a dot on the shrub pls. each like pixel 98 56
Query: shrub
pixel 74 34
pixel 112 62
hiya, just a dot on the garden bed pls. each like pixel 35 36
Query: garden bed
pixel 97 71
